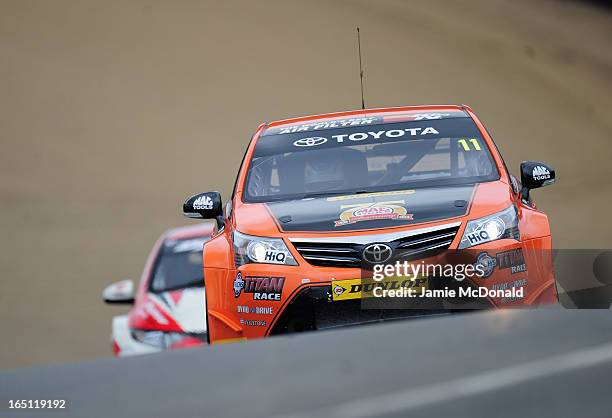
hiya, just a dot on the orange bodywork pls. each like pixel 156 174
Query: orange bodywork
pixel 232 318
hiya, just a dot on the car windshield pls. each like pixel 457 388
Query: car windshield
pixel 179 265
pixel 367 155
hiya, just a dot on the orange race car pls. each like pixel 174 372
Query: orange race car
pixel 318 199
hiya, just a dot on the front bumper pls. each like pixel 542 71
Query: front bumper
pixel 260 300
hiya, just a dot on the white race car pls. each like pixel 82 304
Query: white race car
pixel 169 305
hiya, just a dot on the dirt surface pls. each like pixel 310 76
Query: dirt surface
pixel 112 112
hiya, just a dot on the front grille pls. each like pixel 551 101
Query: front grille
pixel 418 244
pixel 331 253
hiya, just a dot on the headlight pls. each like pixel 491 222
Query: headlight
pixel 250 249
pixel 158 339
pixel 503 224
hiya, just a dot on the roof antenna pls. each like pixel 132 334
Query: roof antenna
pixel 360 69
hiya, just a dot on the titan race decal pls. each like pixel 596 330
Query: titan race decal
pixel 372 210
pixel 513 259
pixel 262 288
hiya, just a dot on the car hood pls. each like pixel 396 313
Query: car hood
pixel 177 310
pixel 372 210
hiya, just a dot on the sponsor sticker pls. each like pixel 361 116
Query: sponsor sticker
pixel 430 116
pixel 255 310
pixel 238 284
pixel 253 323
pixel 203 202
pixel 373 211
pixel 384 134
pixel 540 173
pixel 338 289
pixel 487 263
pixel 512 259
pixel 418 116
pixel 330 124
pixel 367 135
pixel 261 288
pixel 364 288
pixel 275 256
pixel 509 286
pixel 478 236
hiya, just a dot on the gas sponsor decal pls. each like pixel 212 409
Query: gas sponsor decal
pixel 367 195
pixel 364 288
pixel 373 211
pixel 512 259
pixel 261 288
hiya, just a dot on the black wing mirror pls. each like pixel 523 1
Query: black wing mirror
pixel 535 174
pixel 203 206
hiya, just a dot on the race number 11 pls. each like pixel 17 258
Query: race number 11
pixel 466 145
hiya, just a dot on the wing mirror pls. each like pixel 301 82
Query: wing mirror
pixel 203 206
pixel 535 174
pixel 119 292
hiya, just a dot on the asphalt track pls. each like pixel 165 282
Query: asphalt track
pixel 548 362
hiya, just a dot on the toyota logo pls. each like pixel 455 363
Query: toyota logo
pixel 377 253
pixel 310 142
